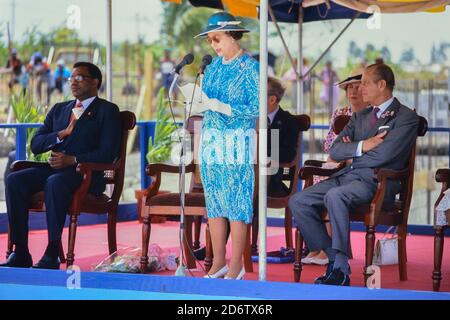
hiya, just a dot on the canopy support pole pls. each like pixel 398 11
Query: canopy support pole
pixel 262 149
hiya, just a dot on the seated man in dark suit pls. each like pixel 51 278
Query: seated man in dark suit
pixel 83 130
pixel 288 131
pixel 369 147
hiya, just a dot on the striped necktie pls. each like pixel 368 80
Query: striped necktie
pixel 374 118
pixel 78 105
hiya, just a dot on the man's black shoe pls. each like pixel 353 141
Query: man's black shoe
pixel 18 261
pixel 322 278
pixel 337 278
pixel 305 252
pixel 47 262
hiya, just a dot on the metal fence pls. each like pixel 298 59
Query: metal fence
pixel 430 99
pixel 425 189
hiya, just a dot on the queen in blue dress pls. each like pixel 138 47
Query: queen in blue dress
pixel 227 146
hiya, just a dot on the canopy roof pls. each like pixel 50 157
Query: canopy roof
pixel 286 11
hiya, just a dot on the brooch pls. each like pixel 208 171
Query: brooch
pixel 387 114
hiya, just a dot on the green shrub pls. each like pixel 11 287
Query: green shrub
pixel 160 147
pixel 26 111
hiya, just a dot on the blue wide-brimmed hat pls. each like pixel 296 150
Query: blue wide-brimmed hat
pixel 222 21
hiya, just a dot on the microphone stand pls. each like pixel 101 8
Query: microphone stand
pixel 181 270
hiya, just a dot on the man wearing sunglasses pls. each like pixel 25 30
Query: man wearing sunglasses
pixel 86 129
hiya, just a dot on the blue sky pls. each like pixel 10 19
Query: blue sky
pixel 419 31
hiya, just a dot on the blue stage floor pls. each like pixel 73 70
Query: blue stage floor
pixel 49 284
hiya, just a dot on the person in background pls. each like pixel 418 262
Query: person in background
pixel 355 104
pixel 14 64
pixel 291 76
pixel 166 67
pixel 288 129
pixel 329 93
pixel 41 71
pixel 61 74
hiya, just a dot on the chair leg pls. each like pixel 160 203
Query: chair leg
pixel 209 251
pixel 187 244
pixel 197 231
pixel 10 248
pixel 370 246
pixel 438 251
pixel 255 230
pixel 402 261
pixel 288 228
pixel 112 237
pixel 146 229
pixel 62 256
pixel 72 236
pixel 248 263
pixel 298 255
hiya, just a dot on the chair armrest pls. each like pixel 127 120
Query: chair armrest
pixel 306 172
pixel 443 175
pixel 157 168
pixel 25 164
pixel 273 163
pixel 314 163
pixel 85 167
pixel 383 174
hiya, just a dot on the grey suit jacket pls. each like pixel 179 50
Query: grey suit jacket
pixel 392 153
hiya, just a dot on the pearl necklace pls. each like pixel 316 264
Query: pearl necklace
pixel 224 61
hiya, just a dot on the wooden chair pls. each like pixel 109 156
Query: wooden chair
pixel 290 175
pixel 158 203
pixel 443 176
pixel 372 214
pixel 168 204
pixel 87 203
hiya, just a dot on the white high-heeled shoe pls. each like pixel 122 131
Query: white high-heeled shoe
pixel 317 261
pixel 219 274
pixel 240 276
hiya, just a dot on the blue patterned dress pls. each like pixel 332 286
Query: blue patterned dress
pixel 228 142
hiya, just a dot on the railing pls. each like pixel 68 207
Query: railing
pixel 427 158
pixel 21 136
pixel 146 131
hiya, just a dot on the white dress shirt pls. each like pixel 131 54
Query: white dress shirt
pixel 382 108
pixel 272 115
pixel 85 103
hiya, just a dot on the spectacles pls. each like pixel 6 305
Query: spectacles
pixel 214 39
pixel 79 78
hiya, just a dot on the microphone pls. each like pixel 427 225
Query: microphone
pixel 206 60
pixel 188 59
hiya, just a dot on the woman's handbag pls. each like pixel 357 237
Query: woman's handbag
pixel 386 249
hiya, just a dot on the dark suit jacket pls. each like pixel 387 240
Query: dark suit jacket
pixel 287 144
pixel 95 137
pixel 393 153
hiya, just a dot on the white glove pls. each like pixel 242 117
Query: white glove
pixel 218 106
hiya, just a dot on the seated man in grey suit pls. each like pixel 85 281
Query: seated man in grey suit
pixel 369 147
